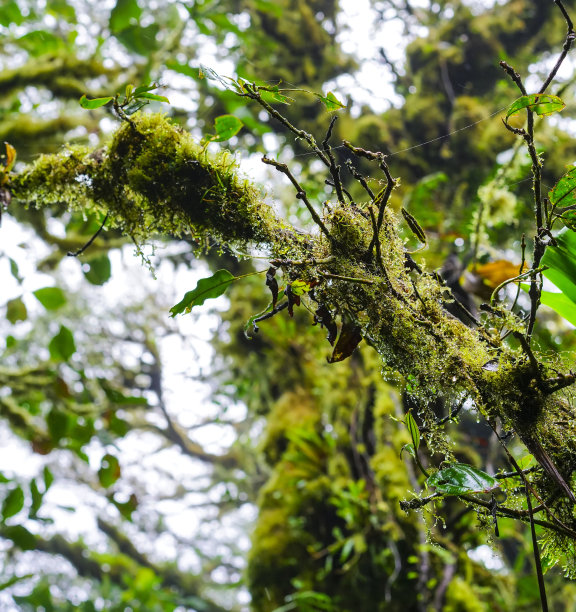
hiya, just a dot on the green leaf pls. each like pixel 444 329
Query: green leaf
pixel 140 40
pixel 272 94
pixel 99 271
pixel 13 503
pixel 4 479
pixel 460 478
pixel 59 423
pixel 525 462
pixel 10 13
pixel 123 15
pixel 51 298
pixel 16 310
pixel 561 262
pixel 409 448
pixel 562 194
pixel 413 429
pixel 184 69
pixel 61 8
pixel 93 103
pixel 62 345
pixel 561 304
pixel 127 508
pixel 15 271
pixel 541 104
pixel 207 288
pixel 330 101
pixel 151 96
pixel 269 6
pixel 226 127
pixel 14 580
pixel 41 42
pixel 36 498
pixel 48 478
pixel 20 536
pixel 109 471
pixel 414 226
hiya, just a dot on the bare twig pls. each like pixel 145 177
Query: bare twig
pixel 300 193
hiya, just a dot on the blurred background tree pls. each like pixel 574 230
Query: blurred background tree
pixel 281 483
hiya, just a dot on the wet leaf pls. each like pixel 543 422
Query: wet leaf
pixel 413 429
pixel 541 104
pixel 460 478
pixel 10 13
pixel 207 288
pixel 36 499
pixel 127 508
pixel 526 462
pixel 349 339
pixel 48 478
pixel 563 193
pixel 300 287
pixel 93 103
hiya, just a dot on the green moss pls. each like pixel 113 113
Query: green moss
pixel 460 597
pixel 153 178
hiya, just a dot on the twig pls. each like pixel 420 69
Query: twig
pixel 350 279
pixel 566 47
pixel 81 250
pixel 334 169
pixel 300 193
pixel 359 178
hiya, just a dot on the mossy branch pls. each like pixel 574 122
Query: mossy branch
pixel 154 179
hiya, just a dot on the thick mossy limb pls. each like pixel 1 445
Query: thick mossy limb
pixel 153 178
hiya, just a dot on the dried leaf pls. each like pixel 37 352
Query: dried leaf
pixel 349 339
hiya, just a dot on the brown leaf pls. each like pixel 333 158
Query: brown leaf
pixel 349 339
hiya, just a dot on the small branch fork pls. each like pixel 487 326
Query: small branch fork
pixel 300 193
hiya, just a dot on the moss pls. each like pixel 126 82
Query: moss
pixel 460 597
pixel 153 178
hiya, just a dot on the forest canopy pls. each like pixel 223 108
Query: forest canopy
pixel 379 413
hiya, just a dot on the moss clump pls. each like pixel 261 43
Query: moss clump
pixel 153 178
